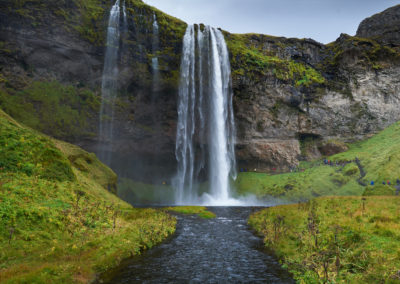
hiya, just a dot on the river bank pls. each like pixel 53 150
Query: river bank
pixel 335 239
pixel 59 220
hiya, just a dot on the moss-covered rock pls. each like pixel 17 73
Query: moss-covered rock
pixel 250 57
pixel 62 111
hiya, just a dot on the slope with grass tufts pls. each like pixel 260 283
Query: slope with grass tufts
pixel 60 221
pixel 378 155
pixel 335 239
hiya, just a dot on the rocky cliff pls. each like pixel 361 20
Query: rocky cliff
pixel 294 98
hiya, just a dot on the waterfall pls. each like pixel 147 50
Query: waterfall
pixel 205 127
pixel 125 17
pixel 109 84
pixel 155 48
pixel 186 121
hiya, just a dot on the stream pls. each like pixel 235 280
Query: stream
pixel 220 250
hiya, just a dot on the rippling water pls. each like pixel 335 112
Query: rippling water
pixel 220 250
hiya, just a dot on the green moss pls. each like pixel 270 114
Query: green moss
pixel 91 20
pixel 370 53
pixel 200 211
pixel 248 59
pixel 59 110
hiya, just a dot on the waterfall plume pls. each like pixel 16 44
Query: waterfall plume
pixel 109 86
pixel 205 128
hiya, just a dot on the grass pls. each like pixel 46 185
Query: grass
pixel 379 156
pixel 59 223
pixel 335 239
pixel 63 111
pixel 313 182
pixel 200 211
pixel 143 193
pixel 248 58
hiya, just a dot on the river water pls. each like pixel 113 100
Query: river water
pixel 220 250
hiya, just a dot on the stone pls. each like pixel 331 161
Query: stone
pixel 384 26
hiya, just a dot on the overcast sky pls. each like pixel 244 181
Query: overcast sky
pixel 322 20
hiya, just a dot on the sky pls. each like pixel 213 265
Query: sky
pixel 321 20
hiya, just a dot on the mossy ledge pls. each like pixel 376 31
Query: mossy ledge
pixel 379 156
pixel 200 211
pixel 58 221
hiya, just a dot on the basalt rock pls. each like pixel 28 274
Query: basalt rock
pixel 384 27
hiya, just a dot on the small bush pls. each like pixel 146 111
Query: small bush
pixel 379 189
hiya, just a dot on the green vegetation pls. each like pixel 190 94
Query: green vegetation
pixel 25 152
pixel 248 58
pixel 143 193
pixel 313 182
pixel 379 156
pixel 91 20
pixel 171 32
pixel 370 53
pixel 335 239
pixel 63 111
pixel 88 17
pixel 200 211
pixel 58 224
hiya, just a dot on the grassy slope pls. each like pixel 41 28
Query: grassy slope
pixel 379 155
pixel 335 239
pixel 58 223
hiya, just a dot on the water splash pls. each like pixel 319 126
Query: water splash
pixel 205 89
pixel 109 84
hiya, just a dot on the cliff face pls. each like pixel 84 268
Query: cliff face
pixel 51 63
pixel 343 91
pixel 384 27
pixel 294 98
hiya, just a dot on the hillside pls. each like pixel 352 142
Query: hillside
pixel 60 221
pixel 335 239
pixel 379 157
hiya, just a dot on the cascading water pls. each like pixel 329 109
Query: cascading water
pixel 125 17
pixel 185 125
pixel 110 83
pixel 155 48
pixel 205 127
